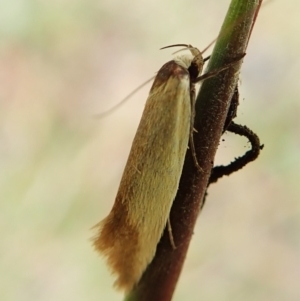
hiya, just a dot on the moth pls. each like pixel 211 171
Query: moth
pixel 129 235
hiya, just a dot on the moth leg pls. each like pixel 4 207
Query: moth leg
pixel 192 144
pixel 171 234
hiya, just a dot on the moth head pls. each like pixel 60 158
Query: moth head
pixel 192 62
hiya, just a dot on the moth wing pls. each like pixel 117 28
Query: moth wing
pixel 129 235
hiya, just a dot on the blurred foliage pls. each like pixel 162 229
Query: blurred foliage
pixel 63 61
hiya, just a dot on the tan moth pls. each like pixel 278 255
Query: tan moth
pixel 129 235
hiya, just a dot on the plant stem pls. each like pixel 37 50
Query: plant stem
pixel 159 280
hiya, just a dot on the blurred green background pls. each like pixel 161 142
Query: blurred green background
pixel 61 62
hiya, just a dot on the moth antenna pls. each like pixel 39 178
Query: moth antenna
pixel 114 108
pixel 189 47
pixel 177 45
pixel 180 50
pixel 208 46
pixel 195 51
pixel 186 46
pixel 109 111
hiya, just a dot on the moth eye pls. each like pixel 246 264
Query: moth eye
pixel 193 70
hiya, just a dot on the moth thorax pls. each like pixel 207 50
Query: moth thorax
pixel 184 61
pixel 192 62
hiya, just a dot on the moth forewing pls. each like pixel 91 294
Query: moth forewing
pixel 129 235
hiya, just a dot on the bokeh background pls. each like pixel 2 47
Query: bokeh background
pixel 63 61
